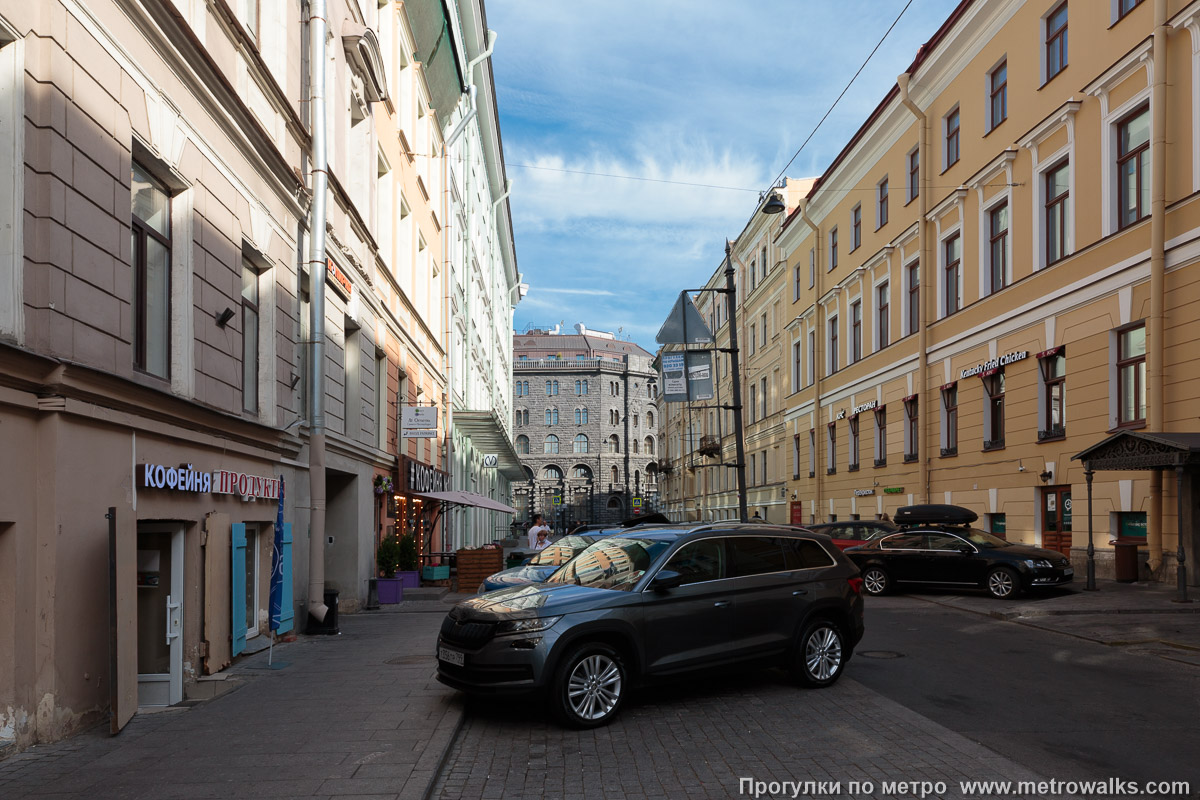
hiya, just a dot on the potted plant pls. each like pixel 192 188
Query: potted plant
pixel 388 559
pixel 406 560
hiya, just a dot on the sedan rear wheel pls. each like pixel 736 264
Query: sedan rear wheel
pixel 589 686
pixel 1003 583
pixel 875 580
pixel 820 654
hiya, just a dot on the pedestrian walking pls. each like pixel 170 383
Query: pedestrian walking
pixel 539 524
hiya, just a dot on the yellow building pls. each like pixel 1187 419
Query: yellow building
pixel 995 275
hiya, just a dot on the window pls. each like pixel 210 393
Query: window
pixel 997 524
pixel 855 331
pixel 881 217
pixel 699 562
pixel 951 123
pixel 753 404
pixel 753 275
pixel 853 443
pixel 550 444
pixel 614 444
pixel 753 470
pixel 912 276
pixel 762 398
pixel 812 267
pixel 151 253
pixel 551 473
pixel 581 416
pixel 998 95
pixel 762 259
pixel 833 344
pixel 1131 376
pixel 797 351
pixel 1053 366
pixel 581 443
pixel 523 445
pixel 833 253
pixel 1057 195
pixel 753 338
pixel 1131 526
pixel 812 357
pixel 551 416
pixel 882 316
pixel 998 250
pixel 1133 167
pixel 950 420
pixel 993 434
pixel 249 338
pixel 551 388
pixel 635 420
pixel 615 475
pixel 1056 42
pixel 796 456
pixel 831 455
pixel 914 175
pixel 796 286
pixel 585 386
pixel 581 472
pixel 856 228
pixel 881 436
pixel 912 439
pixel 649 443
pixel 812 452
pixel 1125 6
pixel 952 248
pixel 650 419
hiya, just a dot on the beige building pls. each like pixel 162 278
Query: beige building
pixel 155 335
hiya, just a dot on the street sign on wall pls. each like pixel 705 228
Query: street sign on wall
pixel 418 422
pixel 684 325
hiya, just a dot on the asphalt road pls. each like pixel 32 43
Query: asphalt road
pixel 1064 707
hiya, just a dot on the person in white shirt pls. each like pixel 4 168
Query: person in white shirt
pixel 538 525
pixel 542 541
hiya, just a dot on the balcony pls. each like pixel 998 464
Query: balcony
pixel 1057 432
pixel 993 444
pixel 709 446
pixel 950 451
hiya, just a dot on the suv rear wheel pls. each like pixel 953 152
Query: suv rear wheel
pixel 820 654
pixel 589 686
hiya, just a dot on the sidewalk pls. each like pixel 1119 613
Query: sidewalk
pixel 1142 617
pixel 351 715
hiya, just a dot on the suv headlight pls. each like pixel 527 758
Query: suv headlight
pixel 1038 563
pixel 532 625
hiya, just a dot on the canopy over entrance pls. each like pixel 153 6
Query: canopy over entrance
pixel 469 499
pixel 1140 450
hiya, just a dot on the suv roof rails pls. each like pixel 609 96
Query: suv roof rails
pixel 934 514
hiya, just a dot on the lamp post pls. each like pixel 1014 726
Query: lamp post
pixel 735 367
pixel 1091 551
pixel 1180 568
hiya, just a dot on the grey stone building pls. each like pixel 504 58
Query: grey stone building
pixel 585 424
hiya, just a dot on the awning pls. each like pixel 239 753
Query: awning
pixel 488 435
pixel 469 499
pixel 1138 450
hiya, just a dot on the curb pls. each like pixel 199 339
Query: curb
pixel 451 737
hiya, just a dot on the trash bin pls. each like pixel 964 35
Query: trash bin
pixel 1126 561
pixel 329 625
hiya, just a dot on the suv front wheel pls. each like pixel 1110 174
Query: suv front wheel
pixel 589 686
pixel 820 654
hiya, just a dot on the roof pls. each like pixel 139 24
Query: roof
pixel 574 341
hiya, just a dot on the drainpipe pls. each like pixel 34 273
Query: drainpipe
pixel 816 368
pixel 317 26
pixel 1158 219
pixel 924 265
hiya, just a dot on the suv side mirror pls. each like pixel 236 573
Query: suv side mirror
pixel 666 579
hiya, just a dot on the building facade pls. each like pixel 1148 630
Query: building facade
pixel 586 419
pixel 155 334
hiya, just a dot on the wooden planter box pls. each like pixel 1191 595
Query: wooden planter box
pixel 475 565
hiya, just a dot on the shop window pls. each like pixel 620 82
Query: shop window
pixel 1131 526
pixel 997 525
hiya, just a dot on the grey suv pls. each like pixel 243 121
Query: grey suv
pixel 653 603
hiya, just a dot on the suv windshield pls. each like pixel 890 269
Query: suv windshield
pixel 981 538
pixel 560 552
pixel 611 563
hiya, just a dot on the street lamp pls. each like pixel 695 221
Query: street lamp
pixel 774 204
pixel 1091 551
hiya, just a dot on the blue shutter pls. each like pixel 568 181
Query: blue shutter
pixel 238 572
pixel 287 613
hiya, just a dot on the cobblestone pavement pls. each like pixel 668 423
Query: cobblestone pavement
pixel 696 739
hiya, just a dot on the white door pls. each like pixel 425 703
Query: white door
pixel 160 614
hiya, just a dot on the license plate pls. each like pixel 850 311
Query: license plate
pixel 1068 572
pixel 450 656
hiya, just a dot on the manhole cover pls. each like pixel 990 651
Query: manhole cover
pixel 880 654
pixel 404 660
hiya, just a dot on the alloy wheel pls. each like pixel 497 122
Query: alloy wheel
pixel 823 653
pixel 594 687
pixel 875 581
pixel 1001 583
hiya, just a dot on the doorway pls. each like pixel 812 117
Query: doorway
pixel 1056 519
pixel 160 614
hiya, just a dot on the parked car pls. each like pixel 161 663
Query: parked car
pixel 936 546
pixel 544 562
pixel 853 532
pixel 654 602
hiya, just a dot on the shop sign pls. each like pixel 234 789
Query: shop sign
pixel 863 492
pixel 491 460
pixel 339 278
pixel 424 479
pixel 995 363
pixel 841 414
pixel 185 478
pixel 419 422
pixel 894 490
pixel 865 407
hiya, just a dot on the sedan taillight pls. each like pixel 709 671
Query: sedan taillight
pixel 856 584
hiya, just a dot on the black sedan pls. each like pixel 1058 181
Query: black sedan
pixel 963 557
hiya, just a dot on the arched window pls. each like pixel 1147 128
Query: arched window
pixel 637 477
pixel 650 420
pixel 550 445
pixel 551 416
pixel 634 446
pixel 585 387
pixel 614 444
pixel 616 475
pixel 523 445
pixel 525 420
pixel 635 420
pixel 551 473
pixel 581 471
pixel 581 444
pixel 649 445
pixel 524 387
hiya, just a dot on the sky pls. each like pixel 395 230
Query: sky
pixel 718 95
